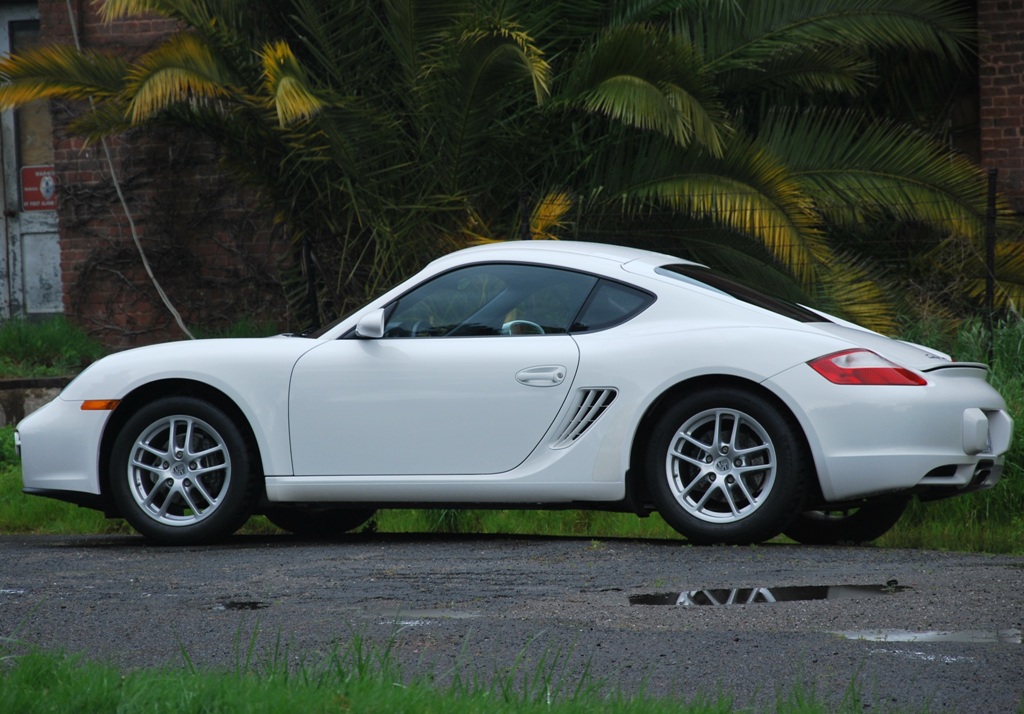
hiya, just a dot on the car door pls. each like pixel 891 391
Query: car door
pixel 471 371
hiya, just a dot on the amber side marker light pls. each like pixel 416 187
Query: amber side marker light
pixel 100 405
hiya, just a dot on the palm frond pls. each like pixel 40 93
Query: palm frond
pixel 472 89
pixel 56 71
pixel 198 15
pixel 799 72
pixel 724 250
pixel 1009 276
pixel 850 289
pixel 643 78
pixel 415 32
pixel 103 120
pixel 183 70
pixel 728 39
pixel 853 167
pixel 548 216
pixel 286 85
pixel 749 190
pixel 507 49
pixel 660 11
pixel 110 10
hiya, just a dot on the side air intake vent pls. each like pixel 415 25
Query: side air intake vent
pixel 590 405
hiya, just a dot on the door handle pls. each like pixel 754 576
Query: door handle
pixel 544 376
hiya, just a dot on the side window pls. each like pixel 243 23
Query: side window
pixel 495 299
pixel 446 302
pixel 611 304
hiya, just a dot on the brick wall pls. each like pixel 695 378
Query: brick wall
pixel 1001 93
pixel 212 250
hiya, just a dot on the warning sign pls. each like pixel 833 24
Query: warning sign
pixel 38 188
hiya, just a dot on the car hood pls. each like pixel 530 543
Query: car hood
pixel 905 354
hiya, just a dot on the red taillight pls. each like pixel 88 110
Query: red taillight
pixel 864 367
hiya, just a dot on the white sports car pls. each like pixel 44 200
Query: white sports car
pixel 529 375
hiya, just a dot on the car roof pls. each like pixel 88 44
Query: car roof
pixel 532 249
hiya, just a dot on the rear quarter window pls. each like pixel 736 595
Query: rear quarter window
pixel 610 304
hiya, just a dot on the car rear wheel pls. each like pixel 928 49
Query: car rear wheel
pixel 726 466
pixel 181 472
pixel 852 525
pixel 318 522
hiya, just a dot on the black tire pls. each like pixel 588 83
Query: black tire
pixel 200 492
pixel 860 524
pixel 743 487
pixel 318 522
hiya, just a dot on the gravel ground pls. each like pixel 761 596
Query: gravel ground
pixel 946 634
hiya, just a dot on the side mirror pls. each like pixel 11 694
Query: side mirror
pixel 371 325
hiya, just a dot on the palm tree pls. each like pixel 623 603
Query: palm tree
pixel 382 134
pixel 808 159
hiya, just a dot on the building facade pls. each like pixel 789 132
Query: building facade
pixel 1001 94
pixel 79 217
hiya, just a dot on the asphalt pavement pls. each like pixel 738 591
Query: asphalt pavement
pixel 890 628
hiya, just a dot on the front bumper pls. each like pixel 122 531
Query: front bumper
pixel 59 447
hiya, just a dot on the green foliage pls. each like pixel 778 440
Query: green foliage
pixel 357 678
pixel 7 456
pixel 384 134
pixel 243 328
pixel 54 347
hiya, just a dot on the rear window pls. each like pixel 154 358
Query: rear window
pixel 709 280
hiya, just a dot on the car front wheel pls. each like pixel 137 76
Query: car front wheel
pixel 181 472
pixel 726 466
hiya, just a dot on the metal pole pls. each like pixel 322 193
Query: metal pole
pixel 524 217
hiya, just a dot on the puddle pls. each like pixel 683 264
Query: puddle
pixel 963 637
pixel 748 596
pixel 241 605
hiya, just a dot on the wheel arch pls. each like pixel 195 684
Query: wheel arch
pixel 131 402
pixel 636 483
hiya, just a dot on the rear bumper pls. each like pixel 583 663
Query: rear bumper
pixel 939 440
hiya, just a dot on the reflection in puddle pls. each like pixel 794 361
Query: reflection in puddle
pixel 966 636
pixel 241 605
pixel 748 596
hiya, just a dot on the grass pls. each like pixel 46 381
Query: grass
pixel 57 348
pixel 356 678
pixel 51 348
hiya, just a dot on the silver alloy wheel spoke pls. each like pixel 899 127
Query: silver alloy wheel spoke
pixel 721 465
pixel 179 470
